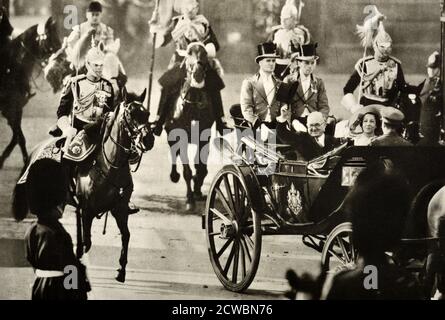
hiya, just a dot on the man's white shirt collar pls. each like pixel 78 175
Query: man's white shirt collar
pixel 320 140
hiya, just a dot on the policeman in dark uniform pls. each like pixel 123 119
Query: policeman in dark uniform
pixel 380 77
pixel 391 124
pixel 431 98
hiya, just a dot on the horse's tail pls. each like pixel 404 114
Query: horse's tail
pixel 20 205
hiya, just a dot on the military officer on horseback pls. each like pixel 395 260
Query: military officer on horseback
pixel 380 76
pixel 93 29
pixel 187 28
pixel 86 98
pixel 9 64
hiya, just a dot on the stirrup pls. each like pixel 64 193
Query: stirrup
pixel 132 208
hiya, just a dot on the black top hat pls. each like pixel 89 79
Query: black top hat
pixel 306 52
pixel 94 6
pixel 266 50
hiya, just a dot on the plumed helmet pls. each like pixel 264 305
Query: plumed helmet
pixel 188 5
pixel 382 36
pixel 95 55
pixel 289 10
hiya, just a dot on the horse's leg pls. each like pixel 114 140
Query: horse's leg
pixel 201 158
pixel 120 213
pixel 79 242
pixel 11 144
pixel 188 176
pixel 87 221
pixel 174 174
pixel 22 144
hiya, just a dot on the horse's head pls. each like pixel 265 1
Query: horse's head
pixel 47 38
pixel 196 63
pixel 57 69
pixel 132 118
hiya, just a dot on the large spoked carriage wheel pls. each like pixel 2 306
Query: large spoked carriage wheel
pixel 233 231
pixel 338 251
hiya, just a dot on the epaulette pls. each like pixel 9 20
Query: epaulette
pixel 358 65
pixel 107 86
pixel 78 77
pixel 396 60
pixel 276 28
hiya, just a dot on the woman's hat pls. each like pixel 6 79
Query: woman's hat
pixel 306 52
pixel 266 50
pixel 358 115
pixel 94 6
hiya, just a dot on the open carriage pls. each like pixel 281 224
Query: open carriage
pixel 261 193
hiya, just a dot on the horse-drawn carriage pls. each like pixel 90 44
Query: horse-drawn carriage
pixel 262 193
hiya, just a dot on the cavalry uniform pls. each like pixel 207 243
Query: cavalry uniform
pixel 287 36
pixel 285 41
pixel 88 102
pixel 381 81
pixel 102 34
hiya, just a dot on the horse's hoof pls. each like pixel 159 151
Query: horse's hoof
pixel 120 276
pixel 199 196
pixel 174 177
pixel 189 206
pixel 87 247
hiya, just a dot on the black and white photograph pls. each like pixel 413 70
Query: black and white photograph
pixel 247 152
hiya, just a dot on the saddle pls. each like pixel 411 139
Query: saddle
pixel 79 149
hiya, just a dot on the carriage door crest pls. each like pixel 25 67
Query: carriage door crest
pixel 294 200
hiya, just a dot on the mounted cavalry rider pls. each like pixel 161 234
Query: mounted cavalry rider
pixel 188 28
pixel 379 77
pixel 5 40
pixel 287 35
pixel 90 32
pixel 87 98
pixel 9 66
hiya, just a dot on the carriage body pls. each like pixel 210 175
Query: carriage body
pixel 262 193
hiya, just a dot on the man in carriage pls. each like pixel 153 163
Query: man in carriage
pixel 258 97
pixel 287 35
pixel 306 92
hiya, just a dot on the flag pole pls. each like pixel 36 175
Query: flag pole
pixel 152 61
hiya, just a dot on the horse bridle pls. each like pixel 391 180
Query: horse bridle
pixel 132 131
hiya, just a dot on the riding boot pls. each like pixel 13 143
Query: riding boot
pixel 132 208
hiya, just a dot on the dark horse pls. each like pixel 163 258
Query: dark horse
pixel 32 47
pixel 192 117
pixel 104 183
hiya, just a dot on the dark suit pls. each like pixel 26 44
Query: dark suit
pixel 303 143
pixel 314 100
pixel 253 99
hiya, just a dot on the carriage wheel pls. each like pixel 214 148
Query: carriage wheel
pixel 233 231
pixel 338 251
